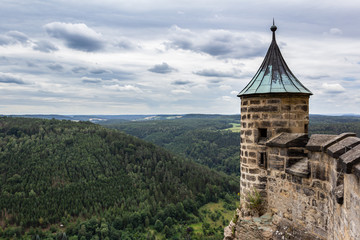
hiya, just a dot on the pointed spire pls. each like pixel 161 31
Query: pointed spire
pixel 274 76
pixel 273 29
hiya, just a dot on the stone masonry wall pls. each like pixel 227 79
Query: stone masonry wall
pixel 302 202
pixel 311 202
pixel 275 113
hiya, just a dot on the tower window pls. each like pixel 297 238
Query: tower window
pixel 262 134
pixel 263 160
pixel 306 128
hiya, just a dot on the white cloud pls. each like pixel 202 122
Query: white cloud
pixel 335 31
pixel 125 88
pixel 332 88
pixel 180 91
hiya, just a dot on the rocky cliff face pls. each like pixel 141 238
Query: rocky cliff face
pixel 266 227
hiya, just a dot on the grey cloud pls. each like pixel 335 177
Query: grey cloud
pixel 99 71
pixel 317 76
pixel 19 36
pixel 181 82
pixel 55 67
pixel 214 73
pixel 350 79
pixel 216 48
pixel 215 81
pixel 5 40
pixel 76 36
pixel 126 44
pixel 217 43
pixel 13 37
pixel 162 68
pixel 78 69
pixel 31 64
pixel 7 78
pixel 45 46
pixel 91 80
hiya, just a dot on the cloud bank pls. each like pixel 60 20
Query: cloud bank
pixel 77 36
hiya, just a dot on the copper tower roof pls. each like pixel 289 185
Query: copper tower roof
pixel 274 76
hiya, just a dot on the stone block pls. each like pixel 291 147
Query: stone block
pixel 265 124
pixel 273 101
pixel 285 108
pixel 308 192
pixel 336 139
pixel 254 102
pixel 252 154
pixel 299 169
pixel 284 140
pixel 262 178
pixel 248 132
pixel 349 159
pixel 296 152
pixel 256 116
pixel 342 146
pixel 267 108
pixel 254 170
pixel 318 171
pixel 339 194
pixel 279 123
pixel 291 161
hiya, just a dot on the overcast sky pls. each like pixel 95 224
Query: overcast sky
pixel 171 57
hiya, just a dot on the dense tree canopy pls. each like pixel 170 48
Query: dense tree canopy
pixel 202 138
pixel 96 182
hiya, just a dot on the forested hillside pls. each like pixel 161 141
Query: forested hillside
pixel 61 179
pixel 334 124
pixel 206 139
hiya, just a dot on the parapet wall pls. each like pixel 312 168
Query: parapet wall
pixel 314 184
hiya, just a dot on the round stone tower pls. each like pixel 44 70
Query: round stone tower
pixel 273 102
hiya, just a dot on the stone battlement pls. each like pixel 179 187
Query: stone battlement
pixel 313 183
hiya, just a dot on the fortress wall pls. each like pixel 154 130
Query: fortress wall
pixel 300 201
pixel 346 217
pixel 309 202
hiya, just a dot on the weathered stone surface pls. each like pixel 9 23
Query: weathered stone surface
pixel 288 140
pixel 263 109
pixel 300 169
pixel 349 159
pixel 342 146
pixel 317 140
pixel 296 152
pixel 254 102
pixel 356 169
pixel 336 139
pixel 339 194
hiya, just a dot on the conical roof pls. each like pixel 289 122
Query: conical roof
pixel 274 76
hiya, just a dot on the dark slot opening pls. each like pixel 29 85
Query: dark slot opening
pixel 262 134
pixel 263 160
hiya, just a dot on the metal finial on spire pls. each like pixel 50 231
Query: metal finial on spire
pixel 273 27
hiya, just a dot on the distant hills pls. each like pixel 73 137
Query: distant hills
pixel 104 118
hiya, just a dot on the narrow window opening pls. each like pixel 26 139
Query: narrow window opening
pixel 306 128
pixel 262 135
pixel 263 160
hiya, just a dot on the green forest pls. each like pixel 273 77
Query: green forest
pixel 176 179
pixel 205 139
pixel 68 180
